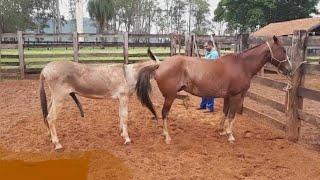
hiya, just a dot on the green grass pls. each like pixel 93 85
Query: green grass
pixel 13 63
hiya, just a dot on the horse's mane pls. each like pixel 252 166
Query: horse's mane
pixel 245 51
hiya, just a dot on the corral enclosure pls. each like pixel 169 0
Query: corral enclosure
pixel 197 151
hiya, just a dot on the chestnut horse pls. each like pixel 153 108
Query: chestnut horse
pixel 228 77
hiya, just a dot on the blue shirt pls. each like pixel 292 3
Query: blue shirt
pixel 211 55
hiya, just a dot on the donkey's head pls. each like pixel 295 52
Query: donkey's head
pixel 278 57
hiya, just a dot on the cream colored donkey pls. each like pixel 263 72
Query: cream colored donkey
pixel 66 78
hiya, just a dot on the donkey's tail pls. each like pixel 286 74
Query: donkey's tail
pixel 143 86
pixel 43 100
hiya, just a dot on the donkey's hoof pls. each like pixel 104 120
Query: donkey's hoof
pixel 127 142
pixel 223 133
pixel 58 147
pixel 231 139
pixel 168 140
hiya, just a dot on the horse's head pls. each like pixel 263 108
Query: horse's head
pixel 278 57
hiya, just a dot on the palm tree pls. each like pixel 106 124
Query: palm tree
pixel 102 11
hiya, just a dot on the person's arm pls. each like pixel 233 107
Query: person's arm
pixel 214 55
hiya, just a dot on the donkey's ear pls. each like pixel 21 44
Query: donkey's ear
pixel 275 39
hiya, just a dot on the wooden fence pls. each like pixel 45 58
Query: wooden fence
pixel 24 41
pixel 298 44
pixel 293 106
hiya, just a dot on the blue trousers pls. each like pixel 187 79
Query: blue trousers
pixel 207 102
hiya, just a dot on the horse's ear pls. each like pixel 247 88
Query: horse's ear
pixel 275 39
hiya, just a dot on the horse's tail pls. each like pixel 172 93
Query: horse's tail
pixel 143 87
pixel 43 100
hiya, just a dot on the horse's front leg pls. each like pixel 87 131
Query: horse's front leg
pixel 165 111
pixel 222 116
pixel 123 115
pixel 234 103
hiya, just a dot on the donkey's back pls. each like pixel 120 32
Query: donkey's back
pixel 94 81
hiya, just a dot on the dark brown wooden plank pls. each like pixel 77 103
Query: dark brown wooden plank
pixel 265 119
pixel 286 41
pixel 309 93
pixel 311 68
pixel 48 55
pixel 313 41
pixel 131 35
pixel 42 35
pixel 62 45
pixel 9 46
pixel 10 56
pixel 269 82
pixel 9 35
pixel 309 118
pixel 274 104
pixel 218 39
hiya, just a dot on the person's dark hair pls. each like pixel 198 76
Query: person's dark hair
pixel 209 42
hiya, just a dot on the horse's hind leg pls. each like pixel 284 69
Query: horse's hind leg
pixel 123 114
pixel 165 111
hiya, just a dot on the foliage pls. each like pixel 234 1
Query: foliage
pixel 200 13
pixel 23 14
pixel 247 15
pixel 101 11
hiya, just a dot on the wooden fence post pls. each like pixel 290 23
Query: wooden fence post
pixel 173 50
pixel 192 39
pixel 242 42
pixel 126 48
pixel 75 46
pixel 294 102
pixel 188 44
pixel 21 54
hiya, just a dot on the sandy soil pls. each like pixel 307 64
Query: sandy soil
pixel 196 151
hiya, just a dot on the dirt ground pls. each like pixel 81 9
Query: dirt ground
pixel 196 150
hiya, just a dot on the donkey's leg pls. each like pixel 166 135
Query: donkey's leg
pixel 224 115
pixel 165 111
pixel 123 115
pixel 57 102
pixel 234 104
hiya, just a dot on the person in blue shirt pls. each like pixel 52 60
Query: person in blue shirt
pixel 210 54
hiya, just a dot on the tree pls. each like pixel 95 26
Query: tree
pixel 102 11
pixel 200 12
pixel 247 15
pixel 178 9
pixel 23 14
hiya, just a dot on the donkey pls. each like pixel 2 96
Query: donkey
pixel 66 78
pixel 228 77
